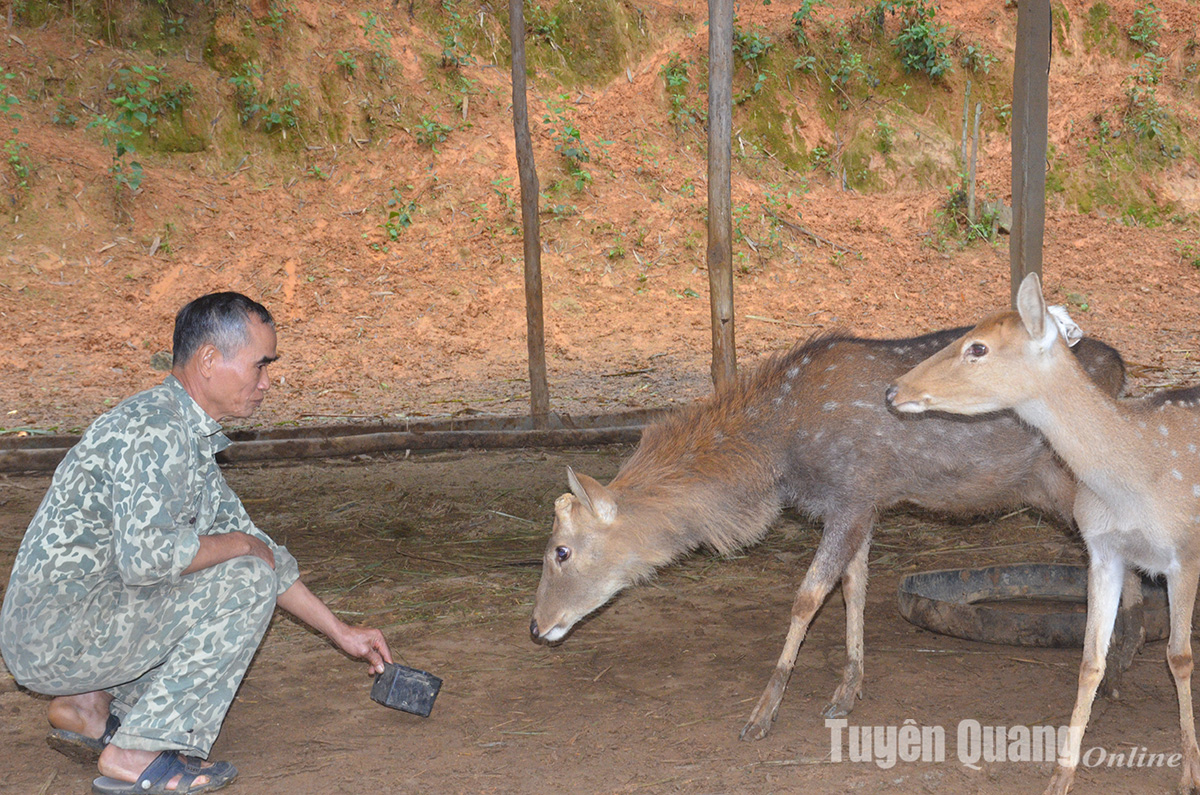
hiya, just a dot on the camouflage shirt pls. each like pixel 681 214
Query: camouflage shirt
pixel 127 505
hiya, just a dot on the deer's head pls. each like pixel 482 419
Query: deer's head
pixel 995 366
pixel 590 557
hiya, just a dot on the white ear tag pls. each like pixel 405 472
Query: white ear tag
pixel 1067 327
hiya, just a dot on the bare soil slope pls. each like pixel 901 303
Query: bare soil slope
pixel 432 322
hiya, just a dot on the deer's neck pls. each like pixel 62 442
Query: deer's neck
pixel 1092 432
pixel 678 516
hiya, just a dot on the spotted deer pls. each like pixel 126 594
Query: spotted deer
pixel 1138 499
pixel 808 429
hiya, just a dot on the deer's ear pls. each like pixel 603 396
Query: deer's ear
pixel 596 498
pixel 1031 306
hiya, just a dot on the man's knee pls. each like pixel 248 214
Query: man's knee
pixel 250 579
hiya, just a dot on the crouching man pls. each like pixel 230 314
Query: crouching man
pixel 142 588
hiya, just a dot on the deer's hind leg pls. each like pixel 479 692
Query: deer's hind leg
pixel 1129 635
pixel 841 542
pixel 1181 594
pixel 854 592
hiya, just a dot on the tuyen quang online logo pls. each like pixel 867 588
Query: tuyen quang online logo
pixel 974 745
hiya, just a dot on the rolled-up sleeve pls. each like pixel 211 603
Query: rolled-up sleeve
pixel 154 532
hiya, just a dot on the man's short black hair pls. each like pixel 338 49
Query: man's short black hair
pixel 219 318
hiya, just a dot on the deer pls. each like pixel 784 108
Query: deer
pixel 808 429
pixel 1137 503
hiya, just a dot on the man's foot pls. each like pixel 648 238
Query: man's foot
pixel 82 725
pixel 85 713
pixel 166 772
pixel 80 747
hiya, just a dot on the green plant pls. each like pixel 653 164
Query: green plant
pixel 274 19
pixel 541 23
pixel 1003 114
pixel 454 53
pixel 752 47
pixel 501 187
pixel 283 115
pixel 246 81
pixel 141 97
pixel 819 157
pixel 63 117
pixel 174 26
pixel 885 136
pixel 760 80
pixel 977 59
pixel 921 42
pixel 347 62
pixel 1145 116
pixel 8 101
pixel 164 238
pixel 739 213
pixel 568 138
pixel 399 214
pixel 805 63
pixel 675 77
pixel 381 42
pixel 801 17
pixel 119 134
pixel 956 221
pixel 316 172
pixel 275 114
pixel 12 147
pixel 1146 25
pixel 558 210
pixel 849 65
pixel 431 132
pixel 16 163
pixel 1189 253
pixel 140 100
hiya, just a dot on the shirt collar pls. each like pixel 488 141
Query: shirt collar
pixel 204 425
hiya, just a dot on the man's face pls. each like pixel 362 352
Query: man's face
pixel 240 382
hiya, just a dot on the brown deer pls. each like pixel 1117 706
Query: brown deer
pixel 808 429
pixel 1138 499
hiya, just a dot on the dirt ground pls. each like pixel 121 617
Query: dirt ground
pixel 443 550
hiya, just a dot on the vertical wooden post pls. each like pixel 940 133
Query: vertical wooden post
pixel 539 392
pixel 971 169
pixel 966 115
pixel 1031 80
pixel 720 224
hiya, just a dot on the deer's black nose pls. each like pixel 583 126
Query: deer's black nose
pixel 533 629
pixel 889 395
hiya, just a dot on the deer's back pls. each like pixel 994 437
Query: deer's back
pixel 845 449
pixel 809 428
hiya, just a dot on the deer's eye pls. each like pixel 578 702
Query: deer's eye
pixel 977 350
pixel 561 554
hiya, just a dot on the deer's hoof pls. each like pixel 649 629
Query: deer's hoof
pixel 1060 782
pixel 756 729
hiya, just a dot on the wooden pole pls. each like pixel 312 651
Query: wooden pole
pixel 720 224
pixel 971 171
pixel 539 391
pixel 966 115
pixel 1031 80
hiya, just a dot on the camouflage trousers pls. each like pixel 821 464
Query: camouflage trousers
pixel 171 654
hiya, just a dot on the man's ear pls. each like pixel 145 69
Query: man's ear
pixel 207 357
